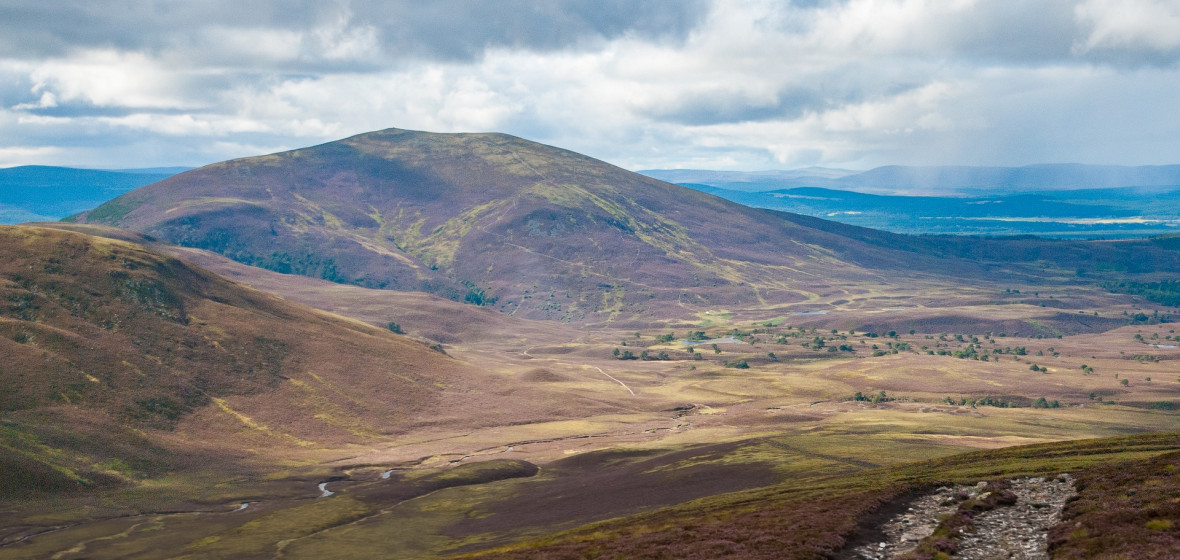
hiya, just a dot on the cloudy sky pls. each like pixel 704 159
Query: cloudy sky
pixel 719 84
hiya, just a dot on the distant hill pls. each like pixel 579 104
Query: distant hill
pixel 1089 213
pixel 1073 201
pixel 40 193
pixel 937 180
pixel 750 181
pixel 1029 178
pixel 526 228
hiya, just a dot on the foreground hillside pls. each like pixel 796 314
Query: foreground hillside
pixel 120 363
pixel 1127 508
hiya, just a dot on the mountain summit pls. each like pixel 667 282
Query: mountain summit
pixel 487 218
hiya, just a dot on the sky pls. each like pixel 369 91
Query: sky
pixel 732 85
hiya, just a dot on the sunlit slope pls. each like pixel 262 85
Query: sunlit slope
pixel 112 351
pixel 493 219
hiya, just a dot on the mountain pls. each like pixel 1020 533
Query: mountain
pixel 42 193
pixel 121 363
pixel 490 219
pixel 496 220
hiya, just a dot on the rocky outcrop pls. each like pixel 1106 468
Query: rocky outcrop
pixel 1017 531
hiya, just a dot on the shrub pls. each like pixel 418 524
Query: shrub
pixel 1159 524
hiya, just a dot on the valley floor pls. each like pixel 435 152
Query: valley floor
pixel 571 432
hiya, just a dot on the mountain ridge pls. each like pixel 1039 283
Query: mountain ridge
pixel 526 228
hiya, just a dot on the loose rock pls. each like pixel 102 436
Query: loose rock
pixel 1019 531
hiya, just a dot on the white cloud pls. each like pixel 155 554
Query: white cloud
pixel 1130 24
pixel 110 78
pixel 754 84
pixel 12 157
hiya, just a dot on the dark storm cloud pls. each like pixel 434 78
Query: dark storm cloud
pixel 1014 32
pixel 460 30
pixel 726 107
pixel 451 30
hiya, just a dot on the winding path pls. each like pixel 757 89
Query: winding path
pixel 615 380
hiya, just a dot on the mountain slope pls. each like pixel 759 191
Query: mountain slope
pixel 531 229
pixel 825 516
pixel 119 362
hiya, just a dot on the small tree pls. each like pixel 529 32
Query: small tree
pixel 394 327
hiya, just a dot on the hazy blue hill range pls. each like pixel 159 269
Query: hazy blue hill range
pixel 1065 200
pixel 42 193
